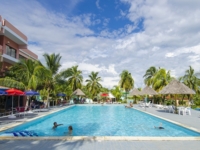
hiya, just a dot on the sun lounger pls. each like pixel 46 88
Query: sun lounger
pixel 159 106
pixel 142 104
pixel 19 134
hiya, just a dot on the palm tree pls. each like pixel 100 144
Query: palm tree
pixel 74 77
pixel 160 79
pixel 26 73
pixel 116 92
pixel 157 78
pixel 52 62
pixel 150 73
pixel 191 80
pixel 8 82
pixel 93 84
pixel 126 81
pixel 53 65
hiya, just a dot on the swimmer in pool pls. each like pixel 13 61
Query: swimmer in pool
pixel 70 129
pixel 160 127
pixel 55 125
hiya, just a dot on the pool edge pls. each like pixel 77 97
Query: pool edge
pixel 171 121
pixel 31 119
pixel 105 138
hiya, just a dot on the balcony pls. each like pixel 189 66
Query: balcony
pixel 8 59
pixel 12 33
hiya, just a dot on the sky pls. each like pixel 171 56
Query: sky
pixel 109 36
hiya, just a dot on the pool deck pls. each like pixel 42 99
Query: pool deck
pixel 107 143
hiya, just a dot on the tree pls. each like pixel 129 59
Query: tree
pixel 93 85
pixel 25 74
pixel 52 65
pixel 116 92
pixel 160 79
pixel 74 77
pixel 150 73
pixel 126 81
pixel 157 78
pixel 191 80
pixel 52 62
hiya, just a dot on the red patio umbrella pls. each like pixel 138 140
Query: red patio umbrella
pixel 104 94
pixel 14 92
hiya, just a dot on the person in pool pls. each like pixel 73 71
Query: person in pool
pixel 70 129
pixel 55 125
pixel 129 106
pixel 160 127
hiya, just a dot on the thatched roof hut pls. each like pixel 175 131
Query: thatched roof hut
pixel 135 92
pixel 176 87
pixel 78 92
pixel 148 91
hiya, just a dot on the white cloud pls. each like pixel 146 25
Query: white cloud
pixel 97 4
pixel 169 55
pixel 110 81
pixel 169 37
pixel 106 21
pixel 88 68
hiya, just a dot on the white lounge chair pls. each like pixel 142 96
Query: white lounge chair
pixel 181 110
pixel 171 109
pixel 148 104
pixel 142 104
pixel 188 110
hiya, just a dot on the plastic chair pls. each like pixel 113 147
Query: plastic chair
pixel 171 109
pixel 188 110
pixel 182 111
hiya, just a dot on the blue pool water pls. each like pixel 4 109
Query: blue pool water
pixel 103 121
pixel 198 109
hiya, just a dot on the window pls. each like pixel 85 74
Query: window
pixel 10 51
pixel 22 57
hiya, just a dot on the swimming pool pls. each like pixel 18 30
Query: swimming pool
pixel 108 120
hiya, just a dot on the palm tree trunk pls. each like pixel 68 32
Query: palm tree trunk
pixel 48 98
pixel 183 98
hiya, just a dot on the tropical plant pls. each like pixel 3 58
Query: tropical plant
pixel 44 94
pixel 126 81
pixel 157 78
pixel 8 82
pixel 52 62
pixel 150 73
pixel 191 80
pixel 93 85
pixel 74 77
pixel 25 74
pixel 161 79
pixel 116 91
pixel 52 65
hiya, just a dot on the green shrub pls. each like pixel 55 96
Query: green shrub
pixel 196 101
pixel 182 102
pixel 168 102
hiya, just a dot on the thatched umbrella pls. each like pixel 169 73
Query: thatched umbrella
pixel 176 87
pixel 135 92
pixel 148 91
pixel 78 92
